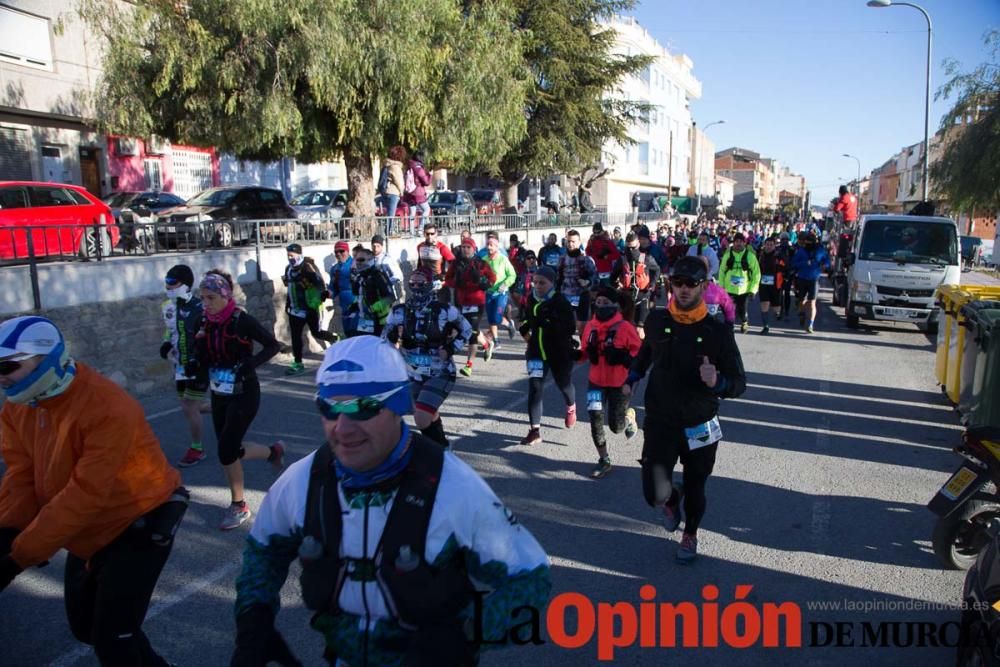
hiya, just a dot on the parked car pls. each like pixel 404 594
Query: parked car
pixel 134 211
pixel 488 202
pixel 402 208
pixel 318 211
pixel 226 216
pixel 972 248
pixel 72 221
pixel 447 202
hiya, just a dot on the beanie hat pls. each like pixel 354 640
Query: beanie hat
pixel 610 293
pixel 365 366
pixel 546 272
pixel 469 242
pixel 342 245
pixel 181 273
pixel 294 247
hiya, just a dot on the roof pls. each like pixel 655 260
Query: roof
pixel 47 183
pixel 907 218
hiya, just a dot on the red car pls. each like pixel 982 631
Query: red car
pixel 69 221
pixel 488 202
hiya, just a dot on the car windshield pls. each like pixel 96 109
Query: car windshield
pixel 119 199
pixel 313 198
pixel 443 198
pixel 213 198
pixel 910 241
pixel 482 195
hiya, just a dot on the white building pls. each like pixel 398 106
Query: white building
pixel 661 156
pixel 787 181
pixel 725 190
pixel 702 164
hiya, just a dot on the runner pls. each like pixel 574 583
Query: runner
pixel 496 295
pixel 700 247
pixel 610 345
pixel 387 264
pixel 470 277
pixel 785 253
pixel 808 264
pixel 693 362
pixel 551 252
pixel 601 248
pixel 739 274
pixel 428 332
pixel 575 277
pixel 225 346
pixel 373 292
pixel 772 280
pixel 548 329
pixel 522 288
pixel 303 299
pixel 182 315
pixel 341 280
pixel 635 273
pixel 434 255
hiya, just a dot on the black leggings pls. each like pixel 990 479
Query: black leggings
pixel 786 296
pixel 662 447
pixel 614 404
pixel 741 306
pixel 106 602
pixel 563 376
pixel 298 325
pixel 231 417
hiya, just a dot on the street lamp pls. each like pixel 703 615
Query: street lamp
pixel 701 163
pixel 927 90
pixel 857 182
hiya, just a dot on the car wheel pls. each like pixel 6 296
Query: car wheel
pixel 224 236
pixel 94 242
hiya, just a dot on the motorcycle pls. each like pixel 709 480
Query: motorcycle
pixel 969 500
pixel 979 637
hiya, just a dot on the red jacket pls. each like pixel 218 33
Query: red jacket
pixel 604 373
pixel 434 257
pixel 603 251
pixel 848 206
pixel 470 279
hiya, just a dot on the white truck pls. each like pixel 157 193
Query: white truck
pixel 895 266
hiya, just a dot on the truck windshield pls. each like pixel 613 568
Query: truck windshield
pixel 909 242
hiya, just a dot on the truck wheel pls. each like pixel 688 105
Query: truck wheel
pixel 853 321
pixel 959 537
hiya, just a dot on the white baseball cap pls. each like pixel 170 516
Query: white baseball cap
pixel 28 336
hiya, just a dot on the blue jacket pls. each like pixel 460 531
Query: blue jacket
pixel 340 282
pixel 808 264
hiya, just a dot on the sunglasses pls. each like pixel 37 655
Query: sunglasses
pixel 8 367
pixel 358 409
pixel 339 252
pixel 685 282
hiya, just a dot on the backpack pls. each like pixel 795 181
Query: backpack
pixel 641 273
pixel 613 355
pixel 383 180
pixel 744 262
pixel 409 182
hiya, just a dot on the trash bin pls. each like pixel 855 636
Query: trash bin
pixel 956 344
pixel 985 402
pixel 974 327
pixel 945 298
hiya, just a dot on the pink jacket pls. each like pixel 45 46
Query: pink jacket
pixel 422 179
pixel 716 296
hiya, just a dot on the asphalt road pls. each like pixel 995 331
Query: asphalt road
pixel 818 495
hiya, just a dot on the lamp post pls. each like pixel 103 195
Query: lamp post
pixel 701 163
pixel 927 83
pixel 857 187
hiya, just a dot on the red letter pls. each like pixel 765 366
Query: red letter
pixel 647 617
pixel 793 624
pixel 710 617
pixel 555 620
pixel 607 640
pixel 668 624
pixel 751 621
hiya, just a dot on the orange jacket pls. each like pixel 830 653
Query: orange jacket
pixel 603 373
pixel 81 467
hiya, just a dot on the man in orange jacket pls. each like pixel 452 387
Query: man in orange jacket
pixel 86 473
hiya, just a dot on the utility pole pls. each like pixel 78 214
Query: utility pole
pixel 670 170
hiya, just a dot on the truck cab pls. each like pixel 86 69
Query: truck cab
pixel 895 266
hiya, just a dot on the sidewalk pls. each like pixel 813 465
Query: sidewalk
pixel 979 278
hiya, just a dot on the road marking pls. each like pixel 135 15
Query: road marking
pixel 842 413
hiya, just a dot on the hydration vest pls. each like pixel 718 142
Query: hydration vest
pixel 744 261
pixel 608 351
pixel 416 593
pixel 430 336
pixel 641 273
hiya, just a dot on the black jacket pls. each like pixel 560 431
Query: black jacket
pixel 672 353
pixel 551 325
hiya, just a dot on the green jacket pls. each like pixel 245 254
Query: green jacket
pixel 504 270
pixel 736 279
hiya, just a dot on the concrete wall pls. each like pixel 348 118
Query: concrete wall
pixel 109 311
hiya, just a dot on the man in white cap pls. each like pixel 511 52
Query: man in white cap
pixel 86 473
pixel 398 539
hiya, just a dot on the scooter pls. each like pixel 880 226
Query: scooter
pixel 979 637
pixel 969 500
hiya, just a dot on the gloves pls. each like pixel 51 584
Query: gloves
pixel 258 643
pixel 8 570
pixel 191 368
pixel 165 349
pixel 437 645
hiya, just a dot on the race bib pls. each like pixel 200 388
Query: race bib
pixel 704 435
pixel 574 301
pixel 419 363
pixel 604 276
pixel 713 308
pixel 366 326
pixel 594 398
pixel 552 260
pixel 179 373
pixel 222 380
pixel 736 280
pixel 470 309
pixel 536 368
pixel 767 280
pixel 301 314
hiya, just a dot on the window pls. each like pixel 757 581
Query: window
pixel 644 157
pixel 269 197
pixel 152 174
pixel 24 39
pixel 646 75
pixel 13 197
pixel 55 196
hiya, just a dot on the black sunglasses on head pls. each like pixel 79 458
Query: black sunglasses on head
pixel 685 282
pixel 9 366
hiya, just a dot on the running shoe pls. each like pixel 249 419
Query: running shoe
pixel 511 330
pixel 533 438
pixel 466 370
pixel 688 549
pixel 766 330
pixel 602 468
pixel 277 457
pixel 671 517
pixel 191 457
pixel 809 329
pixel 570 416
pixel 235 516
pixel 295 368
pixel 488 351
pixel 631 425
pixel 744 327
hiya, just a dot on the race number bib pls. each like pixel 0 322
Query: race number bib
pixel 704 435
pixel 419 363
pixel 470 309
pixel 575 301
pixel 604 276
pixel 552 260
pixel 713 308
pixel 179 373
pixel 594 400
pixel 767 280
pixel 366 326
pixel 222 380
pixel 536 368
pixel 735 281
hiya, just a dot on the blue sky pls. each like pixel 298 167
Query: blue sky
pixel 804 81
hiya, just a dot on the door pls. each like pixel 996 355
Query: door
pixel 90 171
pixel 60 211
pixel 53 169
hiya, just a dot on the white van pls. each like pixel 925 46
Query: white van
pixel 896 265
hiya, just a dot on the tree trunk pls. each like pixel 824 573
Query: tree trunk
pixel 510 195
pixel 360 186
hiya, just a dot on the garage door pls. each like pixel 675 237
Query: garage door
pixel 192 172
pixel 15 154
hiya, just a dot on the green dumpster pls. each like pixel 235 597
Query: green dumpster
pixel 973 353
pixel 985 401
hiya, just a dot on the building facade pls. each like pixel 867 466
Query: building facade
pixel 702 167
